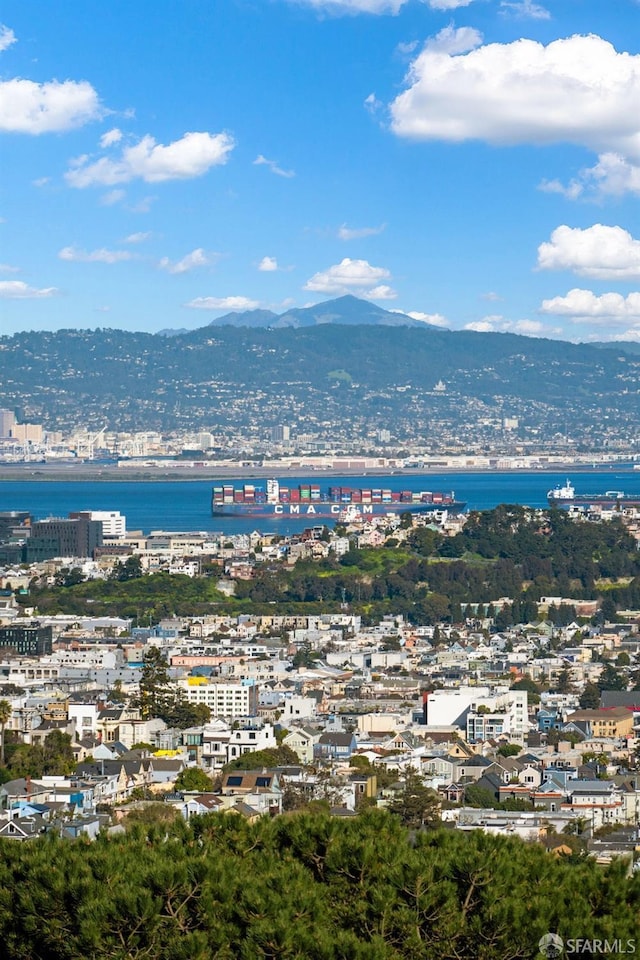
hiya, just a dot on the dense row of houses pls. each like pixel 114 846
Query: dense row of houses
pixel 440 702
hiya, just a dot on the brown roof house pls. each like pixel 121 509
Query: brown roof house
pixel 260 789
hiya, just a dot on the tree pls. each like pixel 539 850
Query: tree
pixel 303 656
pixel 131 569
pixel 563 683
pixel 509 750
pixel 155 684
pixel 610 679
pixel 270 757
pixel 607 612
pixel 475 796
pixel 25 760
pixel 69 577
pixel 590 697
pixel 5 716
pixel 416 805
pixel 307 886
pixel 58 758
pixel 193 778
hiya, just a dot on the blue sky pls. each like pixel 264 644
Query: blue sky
pixel 475 163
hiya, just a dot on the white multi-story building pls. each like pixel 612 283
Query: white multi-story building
pixel 113 523
pixel 481 712
pixel 494 716
pixel 447 707
pixel 228 700
pixel 221 744
pixel 85 716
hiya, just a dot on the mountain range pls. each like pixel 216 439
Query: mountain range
pixel 342 369
pixel 347 310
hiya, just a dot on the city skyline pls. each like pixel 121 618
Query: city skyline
pixel 472 163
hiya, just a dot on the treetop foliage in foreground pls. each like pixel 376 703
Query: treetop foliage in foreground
pixel 301 887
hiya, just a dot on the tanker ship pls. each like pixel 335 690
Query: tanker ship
pixel 333 503
pixel 566 496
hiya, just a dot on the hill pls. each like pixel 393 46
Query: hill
pixel 324 379
pixel 347 311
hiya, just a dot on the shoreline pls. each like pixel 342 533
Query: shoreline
pixel 107 474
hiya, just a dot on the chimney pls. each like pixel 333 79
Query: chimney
pixel 28 786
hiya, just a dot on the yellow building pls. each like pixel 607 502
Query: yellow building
pixel 613 723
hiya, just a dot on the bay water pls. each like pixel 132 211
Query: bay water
pixel 185 505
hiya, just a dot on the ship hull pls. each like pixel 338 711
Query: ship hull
pixel 597 500
pixel 328 511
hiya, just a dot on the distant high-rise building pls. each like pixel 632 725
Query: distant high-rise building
pixel 57 537
pixel 7 422
pixel 27 431
pixel 31 641
pixel 280 434
pixel 205 441
pixel 114 524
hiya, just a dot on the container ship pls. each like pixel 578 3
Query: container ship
pixel 333 503
pixel 566 496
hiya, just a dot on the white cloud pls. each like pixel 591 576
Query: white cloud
pixel 139 237
pixel 142 206
pixel 197 258
pixel 381 292
pixel 223 303
pixel 357 233
pixel 268 264
pixel 613 175
pixel 352 276
pixel 584 305
pixel 376 6
pixel 406 49
pixel 102 255
pixel 570 191
pixel 576 90
pixel 19 290
pixel 435 319
pixel 191 156
pixel 447 4
pixel 372 104
pixel 273 166
pixel 531 328
pixel 7 37
pixel 607 253
pixel 7 268
pixel 354 6
pixel 41 181
pixel 499 324
pixel 28 107
pixel 491 296
pixel 112 197
pixel 110 137
pixel 454 41
pixel 525 9
pixel 487 325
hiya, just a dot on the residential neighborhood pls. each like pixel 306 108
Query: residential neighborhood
pixel 530 730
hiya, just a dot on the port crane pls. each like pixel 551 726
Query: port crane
pixel 85 446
